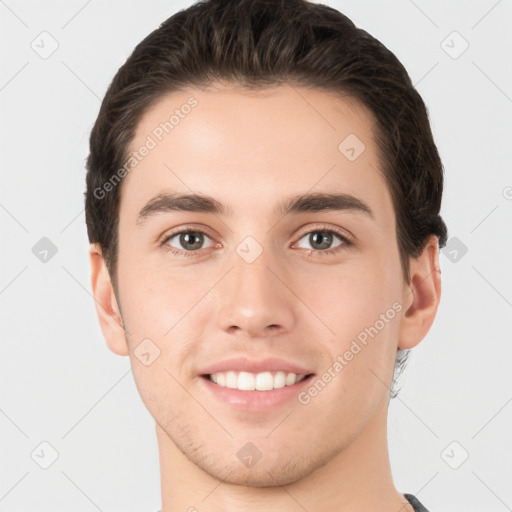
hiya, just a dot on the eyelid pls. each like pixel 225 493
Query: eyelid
pixel 347 238
pixel 326 227
pixel 303 230
pixel 200 228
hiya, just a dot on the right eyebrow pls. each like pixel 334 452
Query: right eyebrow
pixel 182 202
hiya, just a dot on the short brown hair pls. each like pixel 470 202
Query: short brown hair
pixel 265 43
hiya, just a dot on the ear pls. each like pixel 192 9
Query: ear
pixel 108 311
pixel 421 295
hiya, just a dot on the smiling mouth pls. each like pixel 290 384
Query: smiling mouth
pixel 264 381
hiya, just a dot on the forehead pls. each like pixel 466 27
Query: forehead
pixel 249 145
pixel 284 116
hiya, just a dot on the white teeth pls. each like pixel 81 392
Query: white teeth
pixel 290 379
pixel 279 380
pixel 264 381
pixel 221 379
pixel 231 380
pixel 246 381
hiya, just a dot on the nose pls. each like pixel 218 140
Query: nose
pixel 255 298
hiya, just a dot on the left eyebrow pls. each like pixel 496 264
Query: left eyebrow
pixel 321 202
pixel 317 202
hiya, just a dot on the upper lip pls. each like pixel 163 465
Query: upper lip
pixel 243 364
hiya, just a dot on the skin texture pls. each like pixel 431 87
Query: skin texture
pixel 249 150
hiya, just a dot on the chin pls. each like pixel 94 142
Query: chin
pixel 262 474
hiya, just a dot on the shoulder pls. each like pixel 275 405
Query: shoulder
pixel 415 502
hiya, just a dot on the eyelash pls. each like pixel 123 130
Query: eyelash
pixel 347 242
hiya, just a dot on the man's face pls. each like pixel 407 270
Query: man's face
pixel 258 283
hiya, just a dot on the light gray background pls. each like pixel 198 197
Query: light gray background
pixel 59 382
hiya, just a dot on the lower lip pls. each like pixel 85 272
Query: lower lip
pixel 255 401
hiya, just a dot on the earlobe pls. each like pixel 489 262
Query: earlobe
pixel 421 296
pixel 107 308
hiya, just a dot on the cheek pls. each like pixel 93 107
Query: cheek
pixel 163 306
pixel 156 296
pixel 350 297
pixel 159 316
pixel 361 306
